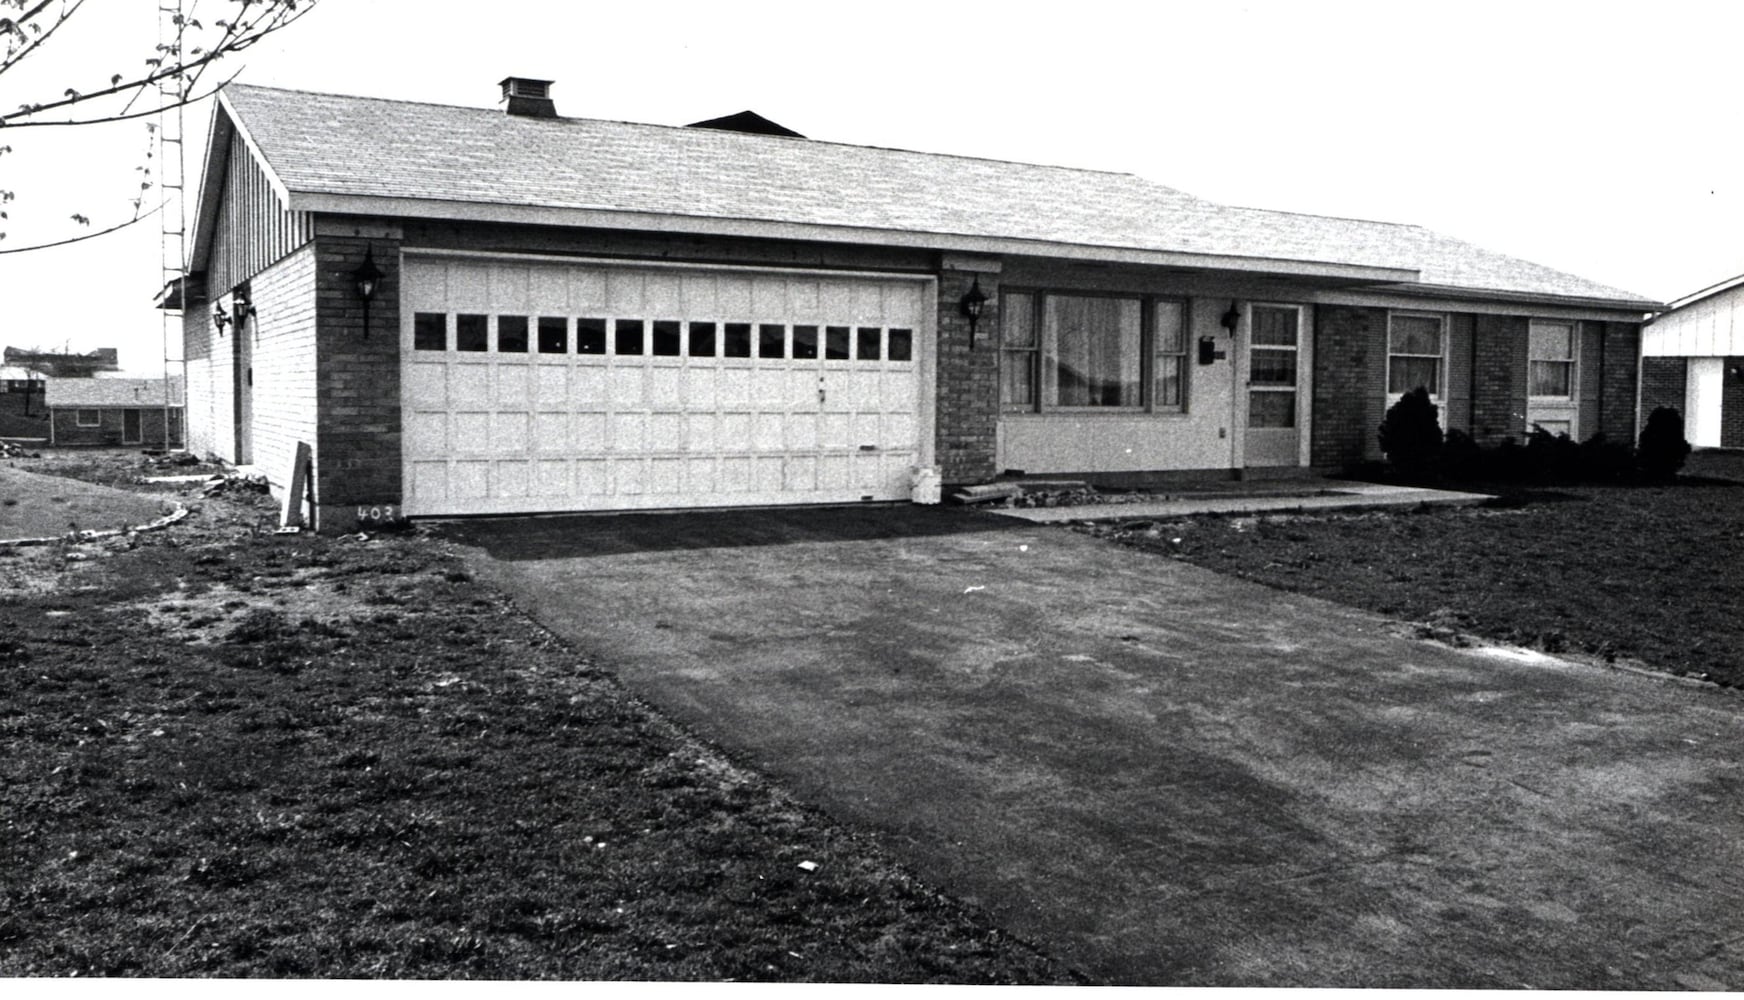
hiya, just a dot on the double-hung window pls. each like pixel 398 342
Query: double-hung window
pixel 1550 359
pixel 1416 349
pixel 1092 352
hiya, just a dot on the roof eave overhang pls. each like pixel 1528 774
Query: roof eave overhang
pixel 598 218
pixel 1420 290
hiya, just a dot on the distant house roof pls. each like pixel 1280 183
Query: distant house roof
pixel 330 153
pixel 13 373
pixel 749 122
pixel 99 392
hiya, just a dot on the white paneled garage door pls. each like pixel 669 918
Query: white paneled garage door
pixel 553 386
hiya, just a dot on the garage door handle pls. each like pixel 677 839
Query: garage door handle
pixel 868 447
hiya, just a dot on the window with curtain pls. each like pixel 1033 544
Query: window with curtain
pixel 1169 338
pixel 1550 356
pixel 1416 345
pixel 1017 345
pixel 1092 355
pixel 1092 351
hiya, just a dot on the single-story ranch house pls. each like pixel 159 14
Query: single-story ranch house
pixel 114 411
pixel 1693 360
pixel 466 311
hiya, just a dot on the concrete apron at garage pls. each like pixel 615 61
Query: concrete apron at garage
pixel 1165 776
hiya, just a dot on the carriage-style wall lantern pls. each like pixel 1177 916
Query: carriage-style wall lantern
pixel 368 278
pixel 240 309
pixel 971 305
pixel 1232 318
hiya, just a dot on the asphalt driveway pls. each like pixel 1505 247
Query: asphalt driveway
pixel 1165 776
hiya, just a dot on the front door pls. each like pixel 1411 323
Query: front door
pixel 130 431
pixel 1274 362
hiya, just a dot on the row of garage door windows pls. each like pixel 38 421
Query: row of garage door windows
pixel 661 338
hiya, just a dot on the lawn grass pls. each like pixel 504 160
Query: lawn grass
pixel 1641 574
pixel 231 754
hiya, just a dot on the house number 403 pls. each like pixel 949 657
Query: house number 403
pixel 377 515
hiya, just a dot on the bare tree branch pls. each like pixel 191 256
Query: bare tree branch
pixel 238 36
pixel 82 237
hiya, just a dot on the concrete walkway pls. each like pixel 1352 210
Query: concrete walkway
pixel 1169 777
pixel 1315 496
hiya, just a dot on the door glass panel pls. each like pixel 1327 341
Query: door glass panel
pixel 590 336
pixel 1274 327
pixel 553 335
pixel 628 336
pixel 869 347
pixel 738 341
pixel 666 340
pixel 512 334
pixel 702 340
pixel 771 340
pixel 901 344
pixel 1270 366
pixel 836 343
pixel 471 332
pixel 805 342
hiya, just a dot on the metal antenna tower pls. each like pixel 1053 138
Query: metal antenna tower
pixel 172 172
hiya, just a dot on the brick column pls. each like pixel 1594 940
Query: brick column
pixel 1664 382
pixel 1345 398
pixel 357 385
pixel 1622 351
pixel 968 376
pixel 1498 398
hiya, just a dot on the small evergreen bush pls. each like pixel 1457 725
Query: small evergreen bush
pixel 1411 435
pixel 1662 448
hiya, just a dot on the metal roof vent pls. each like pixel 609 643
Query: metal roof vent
pixel 531 98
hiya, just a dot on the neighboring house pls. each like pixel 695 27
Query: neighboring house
pixel 114 411
pixel 570 314
pixel 1693 360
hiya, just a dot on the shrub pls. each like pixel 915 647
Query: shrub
pixel 1552 456
pixel 1662 447
pixel 1461 456
pixel 1605 461
pixel 1411 434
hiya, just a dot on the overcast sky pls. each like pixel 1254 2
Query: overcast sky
pixel 1597 138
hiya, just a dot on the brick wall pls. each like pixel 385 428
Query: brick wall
pixel 968 381
pixel 1620 355
pixel 1664 382
pixel 111 431
pixel 211 384
pixel 1732 405
pixel 1346 399
pixel 1498 399
pixel 357 384
pixel 283 334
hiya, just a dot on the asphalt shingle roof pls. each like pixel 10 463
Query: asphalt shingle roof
pixel 97 392
pixel 324 144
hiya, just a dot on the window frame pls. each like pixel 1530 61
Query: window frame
pixel 1437 392
pixel 79 416
pixel 1034 356
pixel 1572 361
